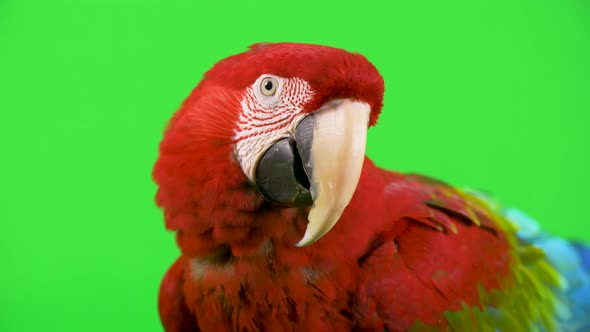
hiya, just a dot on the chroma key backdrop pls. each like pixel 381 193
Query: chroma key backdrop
pixel 493 95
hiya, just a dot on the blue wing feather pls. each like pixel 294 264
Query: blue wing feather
pixel 572 261
pixel 584 252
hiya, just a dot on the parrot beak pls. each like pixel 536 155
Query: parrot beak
pixel 336 157
pixel 320 165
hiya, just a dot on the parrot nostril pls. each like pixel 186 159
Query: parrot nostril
pixel 298 169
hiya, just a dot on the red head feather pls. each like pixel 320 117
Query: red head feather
pixel 201 186
pixel 332 73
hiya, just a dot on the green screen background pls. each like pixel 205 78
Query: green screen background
pixel 488 94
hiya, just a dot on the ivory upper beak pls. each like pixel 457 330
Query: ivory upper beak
pixel 337 156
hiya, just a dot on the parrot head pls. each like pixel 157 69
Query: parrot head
pixel 282 123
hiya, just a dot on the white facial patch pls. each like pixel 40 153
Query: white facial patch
pixel 266 118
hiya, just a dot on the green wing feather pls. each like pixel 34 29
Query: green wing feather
pixel 525 303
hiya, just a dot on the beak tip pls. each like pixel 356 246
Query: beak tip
pixel 305 241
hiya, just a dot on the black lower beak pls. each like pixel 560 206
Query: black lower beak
pixel 283 172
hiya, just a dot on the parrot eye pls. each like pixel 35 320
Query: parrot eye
pixel 268 86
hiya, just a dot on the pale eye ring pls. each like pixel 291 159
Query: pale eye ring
pixel 268 86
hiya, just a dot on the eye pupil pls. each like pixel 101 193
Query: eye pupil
pixel 268 85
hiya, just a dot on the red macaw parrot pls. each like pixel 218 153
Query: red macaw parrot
pixel 284 224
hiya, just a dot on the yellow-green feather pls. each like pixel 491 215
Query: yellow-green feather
pixel 525 302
